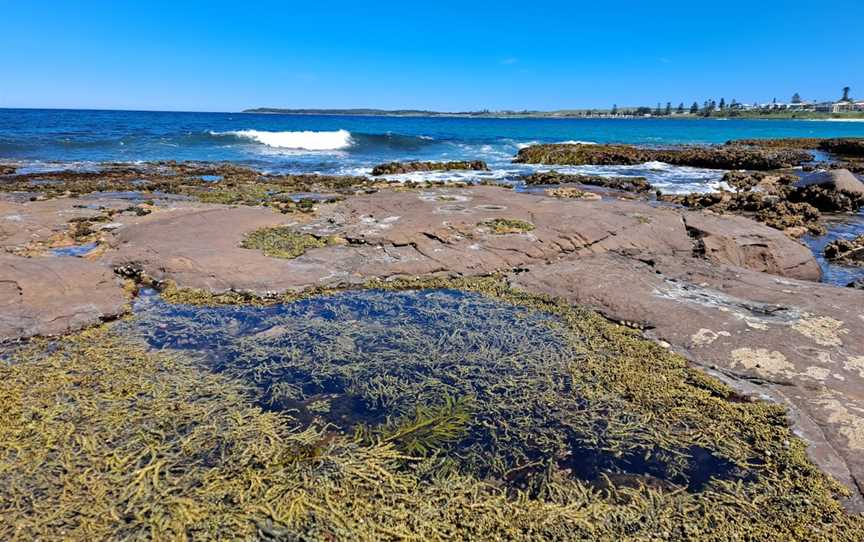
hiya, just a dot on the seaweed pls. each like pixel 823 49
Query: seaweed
pixel 284 242
pixel 474 412
pixel 502 226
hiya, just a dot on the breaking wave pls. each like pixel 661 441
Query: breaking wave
pixel 307 140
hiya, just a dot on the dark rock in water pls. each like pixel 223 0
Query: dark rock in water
pixel 837 179
pixel 744 181
pixel 857 284
pixel 781 143
pixel 627 184
pixel 717 157
pixel 830 191
pixel 844 146
pixel 7 170
pixel 393 168
pixel 846 251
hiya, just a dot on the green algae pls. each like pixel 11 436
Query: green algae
pixel 503 226
pixel 118 442
pixel 284 242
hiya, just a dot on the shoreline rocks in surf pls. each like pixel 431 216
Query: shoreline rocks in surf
pixel 712 157
pixel 395 168
pixel 626 184
pixel 846 251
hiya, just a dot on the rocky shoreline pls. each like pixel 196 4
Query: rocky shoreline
pixel 738 298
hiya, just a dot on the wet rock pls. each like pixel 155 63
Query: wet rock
pixel 770 182
pixel 716 157
pixel 393 168
pixel 837 179
pixel 627 184
pixel 50 296
pixel 857 284
pixel 7 170
pixel 846 251
pixel 844 146
pixel 830 191
pixel 798 343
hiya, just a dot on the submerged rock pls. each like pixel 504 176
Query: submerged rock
pixel 393 168
pixel 846 251
pixel 716 157
pixel 627 184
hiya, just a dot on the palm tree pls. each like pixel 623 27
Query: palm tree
pixel 845 97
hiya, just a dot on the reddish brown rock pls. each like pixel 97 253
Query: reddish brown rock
pixel 734 240
pixel 407 233
pixel 50 296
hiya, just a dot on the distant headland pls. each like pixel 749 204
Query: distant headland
pixel 845 108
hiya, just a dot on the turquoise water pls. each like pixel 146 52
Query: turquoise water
pixel 344 144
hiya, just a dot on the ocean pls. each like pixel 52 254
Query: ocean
pixel 52 139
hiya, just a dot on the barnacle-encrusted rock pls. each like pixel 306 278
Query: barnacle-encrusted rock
pixel 627 184
pixel 393 168
pixel 846 251
pixel 717 157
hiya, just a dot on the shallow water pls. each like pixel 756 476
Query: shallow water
pixel 77 251
pixel 839 227
pixel 372 362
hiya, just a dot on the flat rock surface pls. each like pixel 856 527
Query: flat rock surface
pixel 724 291
pixel 800 343
pixel 54 295
pixel 444 231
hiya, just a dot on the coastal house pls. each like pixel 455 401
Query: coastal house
pixel 847 106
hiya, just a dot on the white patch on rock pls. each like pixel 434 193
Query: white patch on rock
pixel 762 361
pixel 855 364
pixel 704 336
pixel 851 425
pixel 824 330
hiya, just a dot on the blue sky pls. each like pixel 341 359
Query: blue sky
pixel 226 56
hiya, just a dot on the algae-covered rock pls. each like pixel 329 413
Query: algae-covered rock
pixel 627 184
pixel 717 157
pixel 846 251
pixel 393 168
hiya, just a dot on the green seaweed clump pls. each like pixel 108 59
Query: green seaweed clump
pixel 284 242
pixel 502 226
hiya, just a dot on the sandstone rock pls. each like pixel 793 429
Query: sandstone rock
pixel 798 343
pixel 733 240
pixel 393 168
pixel 50 296
pixel 408 233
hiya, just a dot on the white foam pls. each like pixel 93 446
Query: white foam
pixel 577 142
pixel 308 140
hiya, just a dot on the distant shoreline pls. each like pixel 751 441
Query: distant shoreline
pixel 562 115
